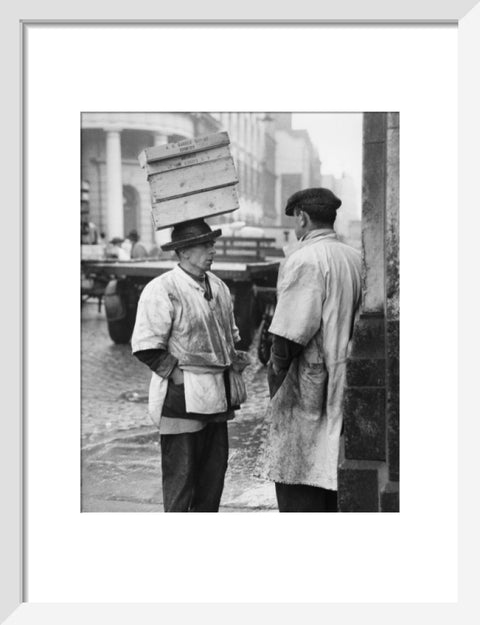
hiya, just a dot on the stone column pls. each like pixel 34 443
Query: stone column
pixel 368 471
pixel 373 211
pixel 114 183
pixel 159 138
pixel 390 493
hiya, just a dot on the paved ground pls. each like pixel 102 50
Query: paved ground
pixel 120 452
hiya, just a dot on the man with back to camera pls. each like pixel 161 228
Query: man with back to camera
pixel 185 332
pixel 318 294
pixel 138 250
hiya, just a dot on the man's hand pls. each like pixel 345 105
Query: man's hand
pixel 177 376
pixel 240 361
pixel 275 378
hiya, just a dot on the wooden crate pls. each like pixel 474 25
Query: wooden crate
pixel 186 160
pixel 186 146
pixel 204 204
pixel 191 179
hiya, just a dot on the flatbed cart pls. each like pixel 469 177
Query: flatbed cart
pixel 251 283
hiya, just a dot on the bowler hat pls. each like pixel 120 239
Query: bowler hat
pixel 317 202
pixel 189 233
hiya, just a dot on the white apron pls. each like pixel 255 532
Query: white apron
pixel 204 394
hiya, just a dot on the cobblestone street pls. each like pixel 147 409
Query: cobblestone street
pixel 120 452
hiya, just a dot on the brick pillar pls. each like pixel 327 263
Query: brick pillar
pixel 390 495
pixel 368 470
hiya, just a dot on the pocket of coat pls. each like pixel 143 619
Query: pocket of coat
pixel 313 380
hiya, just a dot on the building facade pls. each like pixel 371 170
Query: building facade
pixel 272 161
pixel 348 221
pixel 110 145
pixel 297 164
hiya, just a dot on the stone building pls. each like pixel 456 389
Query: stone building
pixel 272 161
pixel 247 132
pixel 110 145
pixel 297 165
pixel 348 221
pixel 369 468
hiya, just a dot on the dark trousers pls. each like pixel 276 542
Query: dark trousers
pixel 193 469
pixel 302 498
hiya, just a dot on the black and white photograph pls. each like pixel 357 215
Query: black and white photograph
pixel 239 311
pixel 224 335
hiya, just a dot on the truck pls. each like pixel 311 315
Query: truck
pixel 248 265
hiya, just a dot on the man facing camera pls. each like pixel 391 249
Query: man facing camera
pixel 185 332
pixel 318 294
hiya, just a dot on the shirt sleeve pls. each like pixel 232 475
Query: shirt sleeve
pixel 283 352
pixel 159 361
pixel 155 314
pixel 300 297
pixel 235 330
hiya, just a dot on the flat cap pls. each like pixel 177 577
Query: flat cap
pixel 316 201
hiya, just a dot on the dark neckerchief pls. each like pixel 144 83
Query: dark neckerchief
pixel 204 282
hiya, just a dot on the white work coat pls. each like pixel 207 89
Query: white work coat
pixel 319 290
pixel 173 314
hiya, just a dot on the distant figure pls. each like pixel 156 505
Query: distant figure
pixel 138 250
pixel 155 252
pixel 103 242
pixel 89 231
pixel 127 246
pixel 116 250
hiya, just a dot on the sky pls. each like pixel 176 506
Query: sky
pixel 338 139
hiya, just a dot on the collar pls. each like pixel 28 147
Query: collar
pixel 200 280
pixel 318 232
pixel 185 276
pixel 311 237
pixel 201 284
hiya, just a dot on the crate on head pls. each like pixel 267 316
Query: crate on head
pixel 191 179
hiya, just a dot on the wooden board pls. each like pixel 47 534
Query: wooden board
pixel 187 160
pixel 186 146
pixel 194 179
pixel 144 271
pixel 195 206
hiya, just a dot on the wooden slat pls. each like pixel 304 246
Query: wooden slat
pixel 177 162
pixel 203 177
pixel 186 146
pixel 244 248
pixel 245 258
pixel 240 239
pixel 195 206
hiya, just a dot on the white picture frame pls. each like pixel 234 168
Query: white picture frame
pixel 13 454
